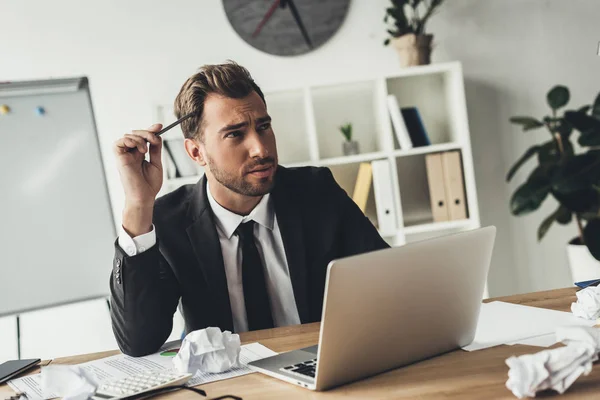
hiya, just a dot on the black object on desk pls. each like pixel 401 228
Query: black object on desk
pixel 10 369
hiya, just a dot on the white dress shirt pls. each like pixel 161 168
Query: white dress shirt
pixel 270 247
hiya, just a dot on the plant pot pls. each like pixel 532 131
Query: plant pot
pixel 350 148
pixel 583 265
pixel 413 49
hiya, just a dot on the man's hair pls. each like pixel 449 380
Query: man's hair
pixel 228 80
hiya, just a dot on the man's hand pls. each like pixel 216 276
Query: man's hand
pixel 141 179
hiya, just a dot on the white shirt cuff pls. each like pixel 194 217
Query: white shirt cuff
pixel 138 244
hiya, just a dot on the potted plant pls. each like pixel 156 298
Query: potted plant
pixel 350 146
pixel 408 34
pixel 573 179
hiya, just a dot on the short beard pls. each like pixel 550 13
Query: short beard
pixel 240 186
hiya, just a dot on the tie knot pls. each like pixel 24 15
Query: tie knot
pixel 246 230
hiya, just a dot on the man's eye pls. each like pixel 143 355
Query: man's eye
pixel 233 134
pixel 264 126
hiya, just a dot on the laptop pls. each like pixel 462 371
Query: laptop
pixel 390 308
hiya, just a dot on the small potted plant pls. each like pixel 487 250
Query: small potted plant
pixel 572 179
pixel 350 146
pixel 408 35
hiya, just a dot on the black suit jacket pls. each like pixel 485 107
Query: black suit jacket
pixel 318 223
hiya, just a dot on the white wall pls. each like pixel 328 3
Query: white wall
pixel 513 52
pixel 138 53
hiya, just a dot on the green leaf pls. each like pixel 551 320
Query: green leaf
pixel 558 97
pixel 528 154
pixel 549 153
pixel 577 173
pixel 584 109
pixel 532 193
pixel 563 215
pixel 583 122
pixel 579 201
pixel 596 107
pixel 589 139
pixel 591 236
pixel 545 225
pixel 528 123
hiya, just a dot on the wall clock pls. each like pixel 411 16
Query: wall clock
pixel 286 27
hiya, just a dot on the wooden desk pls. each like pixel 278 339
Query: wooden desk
pixel 457 375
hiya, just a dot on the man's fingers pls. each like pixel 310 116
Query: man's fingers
pixel 146 135
pixel 155 150
pixel 133 141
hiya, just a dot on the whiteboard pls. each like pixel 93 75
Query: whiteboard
pixel 56 224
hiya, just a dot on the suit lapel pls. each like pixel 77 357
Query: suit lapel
pixel 205 243
pixel 290 226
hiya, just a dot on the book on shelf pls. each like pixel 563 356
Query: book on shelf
pixel 414 125
pixel 398 124
pixel 362 185
pixel 407 124
pixel 446 186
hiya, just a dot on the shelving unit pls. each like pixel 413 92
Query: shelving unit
pixel 306 122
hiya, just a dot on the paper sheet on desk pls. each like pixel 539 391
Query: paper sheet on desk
pixel 121 366
pixel 507 323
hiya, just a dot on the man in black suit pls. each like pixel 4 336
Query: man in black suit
pixel 245 248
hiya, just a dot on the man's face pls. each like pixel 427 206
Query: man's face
pixel 239 144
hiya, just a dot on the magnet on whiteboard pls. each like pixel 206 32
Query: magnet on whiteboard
pixel 40 111
pixel 4 109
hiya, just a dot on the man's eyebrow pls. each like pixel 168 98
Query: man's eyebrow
pixel 232 127
pixel 263 119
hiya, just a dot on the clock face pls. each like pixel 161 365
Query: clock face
pixel 286 27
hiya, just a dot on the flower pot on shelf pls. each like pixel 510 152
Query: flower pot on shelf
pixel 582 264
pixel 413 49
pixel 350 148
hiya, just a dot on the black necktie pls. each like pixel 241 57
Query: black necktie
pixel 258 308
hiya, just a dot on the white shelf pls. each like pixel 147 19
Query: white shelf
pixel 434 148
pixel 437 226
pixel 307 120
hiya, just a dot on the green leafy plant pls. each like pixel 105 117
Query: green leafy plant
pixel 572 179
pixel 347 131
pixel 410 16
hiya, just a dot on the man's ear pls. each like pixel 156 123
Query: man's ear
pixel 195 150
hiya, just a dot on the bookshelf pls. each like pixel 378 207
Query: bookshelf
pixel 306 121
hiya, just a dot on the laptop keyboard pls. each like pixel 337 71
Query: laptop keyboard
pixel 306 368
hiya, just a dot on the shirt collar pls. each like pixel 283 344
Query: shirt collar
pixel 227 221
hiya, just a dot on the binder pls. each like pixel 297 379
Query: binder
pixel 398 123
pixel 437 191
pixel 363 185
pixel 384 200
pixel 454 185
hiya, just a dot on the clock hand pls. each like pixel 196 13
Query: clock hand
pixel 266 18
pixel 296 15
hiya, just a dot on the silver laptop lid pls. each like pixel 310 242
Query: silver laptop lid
pixel 395 306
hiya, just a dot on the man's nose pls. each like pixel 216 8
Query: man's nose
pixel 257 146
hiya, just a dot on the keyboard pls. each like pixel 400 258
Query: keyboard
pixel 140 383
pixel 306 368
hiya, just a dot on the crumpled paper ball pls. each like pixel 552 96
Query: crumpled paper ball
pixel 558 368
pixel 588 303
pixel 70 382
pixel 208 350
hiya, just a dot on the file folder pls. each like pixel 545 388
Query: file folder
pixel 384 199
pixel 437 191
pixel 362 186
pixel 455 188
